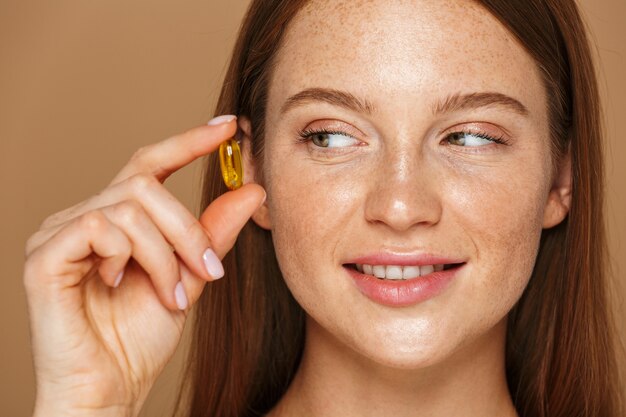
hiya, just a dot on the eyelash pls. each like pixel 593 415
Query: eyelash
pixel 305 135
pixel 501 140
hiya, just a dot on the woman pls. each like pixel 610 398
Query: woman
pixel 424 181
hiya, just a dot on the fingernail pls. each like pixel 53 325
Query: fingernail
pixel 118 279
pixel 212 264
pixel 221 119
pixel 181 297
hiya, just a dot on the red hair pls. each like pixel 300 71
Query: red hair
pixel 560 356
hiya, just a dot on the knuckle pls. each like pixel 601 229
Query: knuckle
pixel 31 243
pixel 141 183
pixel 93 220
pixel 140 154
pixel 129 212
pixel 49 221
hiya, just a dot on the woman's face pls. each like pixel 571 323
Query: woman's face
pixel 427 136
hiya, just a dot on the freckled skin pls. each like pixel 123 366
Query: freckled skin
pixel 405 190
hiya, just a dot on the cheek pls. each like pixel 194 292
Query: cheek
pixel 501 215
pixel 310 212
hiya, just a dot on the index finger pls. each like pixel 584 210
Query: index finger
pixel 161 159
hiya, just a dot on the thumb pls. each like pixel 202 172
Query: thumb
pixel 224 218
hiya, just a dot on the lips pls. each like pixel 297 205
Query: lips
pixel 402 280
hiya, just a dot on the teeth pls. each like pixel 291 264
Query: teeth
pixel 426 269
pixel 411 272
pixel 379 271
pixel 395 272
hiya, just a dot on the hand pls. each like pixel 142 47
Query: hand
pixel 99 348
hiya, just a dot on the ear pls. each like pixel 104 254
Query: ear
pixel 560 197
pixel 261 215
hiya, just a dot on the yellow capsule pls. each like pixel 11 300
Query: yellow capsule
pixel 230 163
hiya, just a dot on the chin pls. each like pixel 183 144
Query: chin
pixel 382 339
pixel 405 360
pixel 407 349
pixel 396 343
pixel 419 345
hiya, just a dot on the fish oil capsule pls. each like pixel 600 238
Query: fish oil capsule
pixel 230 164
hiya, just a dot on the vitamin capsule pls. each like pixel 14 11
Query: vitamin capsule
pixel 230 163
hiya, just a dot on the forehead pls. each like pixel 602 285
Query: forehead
pixel 404 49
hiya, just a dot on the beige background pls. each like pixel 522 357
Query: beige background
pixel 85 83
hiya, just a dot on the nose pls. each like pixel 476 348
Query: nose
pixel 405 192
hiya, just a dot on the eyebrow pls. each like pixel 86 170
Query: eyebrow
pixel 328 95
pixel 454 102
pixel 458 102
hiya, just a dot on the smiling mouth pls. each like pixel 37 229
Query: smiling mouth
pixel 398 272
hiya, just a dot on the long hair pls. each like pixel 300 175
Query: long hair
pixel 248 331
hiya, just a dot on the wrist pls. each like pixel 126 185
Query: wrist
pixel 49 409
pixel 80 404
pixel 83 397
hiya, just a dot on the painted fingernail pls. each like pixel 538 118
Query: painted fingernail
pixel 118 279
pixel 212 264
pixel 221 119
pixel 181 297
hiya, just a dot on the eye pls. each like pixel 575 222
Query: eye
pixel 328 139
pixel 473 139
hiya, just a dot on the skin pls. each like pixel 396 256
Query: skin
pixel 399 185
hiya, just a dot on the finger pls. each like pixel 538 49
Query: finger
pixel 159 160
pixel 223 219
pixel 163 158
pixel 150 249
pixel 179 227
pixel 66 257
pixel 192 284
